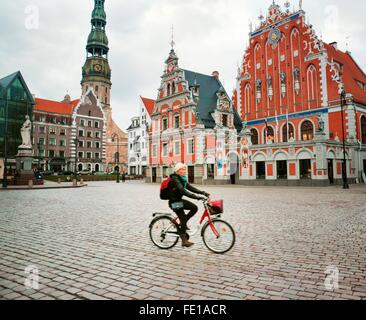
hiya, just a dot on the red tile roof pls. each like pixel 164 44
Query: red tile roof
pixel 149 104
pixel 55 106
pixel 351 74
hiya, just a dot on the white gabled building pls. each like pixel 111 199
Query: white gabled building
pixel 138 138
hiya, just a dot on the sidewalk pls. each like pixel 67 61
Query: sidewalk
pixel 47 185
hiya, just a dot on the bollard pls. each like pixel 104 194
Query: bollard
pixel 59 181
pixel 74 182
pixel 30 183
pixel 81 181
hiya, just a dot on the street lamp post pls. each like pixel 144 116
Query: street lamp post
pixel 76 142
pixel 39 156
pixel 344 166
pixel 5 175
pixel 117 157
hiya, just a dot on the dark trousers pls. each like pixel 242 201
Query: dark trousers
pixel 182 216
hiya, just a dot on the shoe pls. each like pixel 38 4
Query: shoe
pixel 185 242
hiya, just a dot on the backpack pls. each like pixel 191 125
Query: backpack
pixel 164 189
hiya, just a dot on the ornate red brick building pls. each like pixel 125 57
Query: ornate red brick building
pixel 288 94
pixel 193 118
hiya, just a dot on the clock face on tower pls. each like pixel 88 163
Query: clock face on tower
pixel 97 67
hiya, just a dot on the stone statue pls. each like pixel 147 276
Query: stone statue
pixel 26 134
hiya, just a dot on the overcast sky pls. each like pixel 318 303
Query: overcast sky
pixel 209 34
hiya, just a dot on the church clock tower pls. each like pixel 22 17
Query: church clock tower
pixel 96 70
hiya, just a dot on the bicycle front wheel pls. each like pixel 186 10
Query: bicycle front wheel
pixel 163 233
pixel 222 243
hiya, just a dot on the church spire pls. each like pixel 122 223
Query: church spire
pixel 96 70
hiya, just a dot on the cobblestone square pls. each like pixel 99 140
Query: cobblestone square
pixel 93 243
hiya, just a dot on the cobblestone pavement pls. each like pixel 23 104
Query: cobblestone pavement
pixel 93 243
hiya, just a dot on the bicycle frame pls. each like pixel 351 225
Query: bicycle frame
pixel 206 214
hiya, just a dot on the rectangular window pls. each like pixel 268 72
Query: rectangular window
pixel 177 148
pixel 82 123
pixel 97 145
pixel 190 146
pixel 80 154
pixel 51 153
pixel 224 120
pixel 97 155
pixel 97 135
pixel 62 154
pixel 41 141
pixel 176 122
pixel 62 143
pixel 165 124
pixel 42 130
pixel 165 150
pixel 96 124
pixel 52 142
pixel 154 150
pixel 42 153
pixel 89 134
pixel 62 132
pixel 89 144
pixel 81 133
pixel 88 155
pixel 81 144
pixel 89 124
pixel 52 130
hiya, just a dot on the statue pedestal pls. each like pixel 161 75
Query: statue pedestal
pixel 24 161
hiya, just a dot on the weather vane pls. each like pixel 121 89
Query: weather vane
pixel 172 43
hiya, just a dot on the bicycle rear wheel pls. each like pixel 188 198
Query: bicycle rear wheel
pixel 163 233
pixel 224 242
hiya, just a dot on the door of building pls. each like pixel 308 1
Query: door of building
pixel 153 175
pixel 305 169
pixel 191 174
pixel 234 169
pixel 330 171
pixel 282 170
pixel 261 170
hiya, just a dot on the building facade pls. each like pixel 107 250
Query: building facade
pixel 96 75
pixel 70 132
pixel 16 102
pixel 138 138
pixel 52 122
pixel 193 122
pixel 288 93
pixel 88 134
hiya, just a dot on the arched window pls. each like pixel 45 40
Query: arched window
pixel 363 129
pixel 168 89
pixel 291 133
pixel 312 80
pixel 269 135
pixel 255 136
pixel 307 131
pixel 247 99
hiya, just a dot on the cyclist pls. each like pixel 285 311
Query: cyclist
pixel 178 188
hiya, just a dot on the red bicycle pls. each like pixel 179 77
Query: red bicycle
pixel 217 235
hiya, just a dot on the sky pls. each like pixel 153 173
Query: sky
pixel 46 41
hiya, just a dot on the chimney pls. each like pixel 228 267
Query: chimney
pixel 334 45
pixel 216 75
